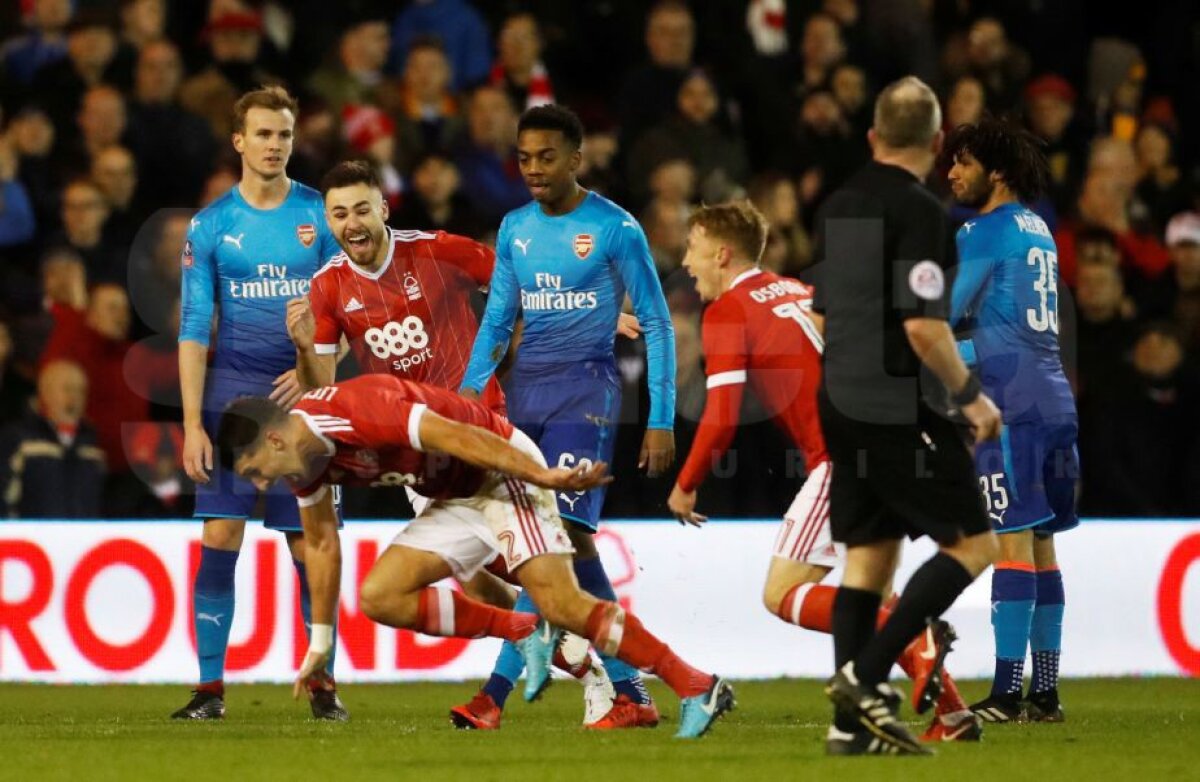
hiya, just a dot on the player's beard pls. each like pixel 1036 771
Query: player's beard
pixel 977 194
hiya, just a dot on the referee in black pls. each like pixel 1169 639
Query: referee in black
pixel 901 467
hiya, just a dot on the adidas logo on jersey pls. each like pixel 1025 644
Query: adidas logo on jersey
pixel 354 305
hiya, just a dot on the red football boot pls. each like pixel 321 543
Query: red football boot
pixel 481 713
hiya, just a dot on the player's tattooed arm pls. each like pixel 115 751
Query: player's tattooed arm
pixel 479 447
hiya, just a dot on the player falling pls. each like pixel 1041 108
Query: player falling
pixel 759 329
pixel 493 495
pixel 402 300
pixel 250 251
pixel 1006 297
pixel 566 261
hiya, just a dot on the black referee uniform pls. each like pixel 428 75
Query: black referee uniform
pixel 900 468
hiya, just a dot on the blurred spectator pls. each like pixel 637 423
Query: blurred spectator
pixel 1050 110
pixel 428 119
pixel 1105 329
pixel 355 74
pixel 789 248
pixel 17 222
pixel 821 50
pixel 674 180
pixel 16 392
pixel 91 45
pixel 488 161
pixel 142 23
pixel 123 376
pixel 1176 296
pixel 519 68
pixel 85 210
pixel 372 135
pixel 61 283
pixel 31 135
pixel 596 169
pixel 154 273
pixel 156 458
pixel 650 90
pixel 436 201
pixel 219 182
pixel 50 465
pixel 101 120
pixel 827 152
pixel 174 147
pixel 235 42
pixel 1116 74
pixel 459 27
pixel 665 224
pixel 45 43
pixel 718 157
pixel 1141 436
pixel 1160 185
pixel 849 87
pixel 690 382
pixel 998 63
pixel 964 103
pixel 115 172
pixel 317 145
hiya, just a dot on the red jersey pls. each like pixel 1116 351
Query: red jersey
pixel 759 332
pixel 371 427
pixel 412 317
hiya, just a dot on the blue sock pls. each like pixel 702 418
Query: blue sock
pixel 625 678
pixel 509 664
pixel 1045 636
pixel 1013 594
pixel 212 610
pixel 306 613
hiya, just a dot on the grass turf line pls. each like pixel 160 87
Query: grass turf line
pixel 1117 729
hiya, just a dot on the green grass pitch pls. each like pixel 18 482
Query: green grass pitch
pixel 1123 729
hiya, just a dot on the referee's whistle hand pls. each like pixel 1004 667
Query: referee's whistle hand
pixel 984 418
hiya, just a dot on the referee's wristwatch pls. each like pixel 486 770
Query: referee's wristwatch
pixel 969 393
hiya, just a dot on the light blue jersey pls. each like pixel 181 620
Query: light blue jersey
pixel 1007 286
pixel 251 261
pixel 568 275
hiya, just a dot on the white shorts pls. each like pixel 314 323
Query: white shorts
pixel 804 535
pixel 507 518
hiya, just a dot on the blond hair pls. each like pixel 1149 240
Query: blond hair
pixel 737 222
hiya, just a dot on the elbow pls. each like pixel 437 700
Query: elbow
pixel 922 333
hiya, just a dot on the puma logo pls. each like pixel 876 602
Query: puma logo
pixel 523 244
pixel 215 619
pixel 235 241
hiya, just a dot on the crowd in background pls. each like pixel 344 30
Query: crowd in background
pixel 115 127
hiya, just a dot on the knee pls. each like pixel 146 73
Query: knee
pixel 568 611
pixel 376 601
pixel 772 597
pixel 978 552
pixel 223 534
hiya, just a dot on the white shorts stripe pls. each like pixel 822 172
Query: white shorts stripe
pixel 819 520
pixel 731 378
pixel 526 517
pixel 445 612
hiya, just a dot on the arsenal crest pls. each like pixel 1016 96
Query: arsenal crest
pixel 582 245
pixel 307 234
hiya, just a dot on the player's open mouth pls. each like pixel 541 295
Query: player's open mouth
pixel 358 241
pixel 537 188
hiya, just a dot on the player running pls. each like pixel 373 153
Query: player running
pixel 1006 293
pixel 492 494
pixel 565 261
pixel 759 329
pixel 250 251
pixel 402 300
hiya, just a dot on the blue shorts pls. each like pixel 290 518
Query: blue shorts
pixel 571 412
pixel 1028 477
pixel 226 496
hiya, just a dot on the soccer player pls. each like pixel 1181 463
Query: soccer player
pixel 483 476
pixel 250 251
pixel 1006 291
pixel 402 300
pixel 760 330
pixel 566 261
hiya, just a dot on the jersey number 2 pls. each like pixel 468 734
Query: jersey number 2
pixel 1045 316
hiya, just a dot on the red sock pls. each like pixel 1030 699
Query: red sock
pixel 615 632
pixel 216 687
pixel 444 612
pixel 810 606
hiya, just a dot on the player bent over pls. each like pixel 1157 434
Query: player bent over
pixel 759 329
pixel 493 494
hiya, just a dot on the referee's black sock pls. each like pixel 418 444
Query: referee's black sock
pixel 854 615
pixel 932 589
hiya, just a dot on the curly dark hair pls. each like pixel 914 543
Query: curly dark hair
pixel 1005 148
pixel 553 116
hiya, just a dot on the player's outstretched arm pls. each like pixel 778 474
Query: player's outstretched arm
pixel 323 563
pixel 479 447
pixel 499 318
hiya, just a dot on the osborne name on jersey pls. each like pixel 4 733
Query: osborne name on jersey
pixel 778 289
pixel 556 299
pixel 272 283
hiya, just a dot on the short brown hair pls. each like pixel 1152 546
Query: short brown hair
pixel 272 96
pixel 907 114
pixel 737 222
pixel 350 172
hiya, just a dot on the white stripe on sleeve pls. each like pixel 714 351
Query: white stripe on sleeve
pixel 414 426
pixel 730 378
